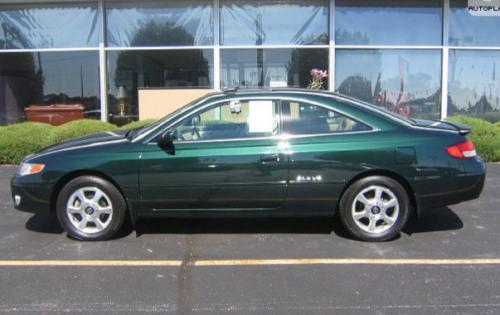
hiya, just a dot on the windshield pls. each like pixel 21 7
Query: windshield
pixel 147 128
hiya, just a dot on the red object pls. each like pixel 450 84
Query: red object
pixel 462 150
pixel 55 115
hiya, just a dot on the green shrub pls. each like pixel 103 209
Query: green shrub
pixel 79 128
pixel 137 124
pixel 19 140
pixel 485 135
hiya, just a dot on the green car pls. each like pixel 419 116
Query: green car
pixel 280 152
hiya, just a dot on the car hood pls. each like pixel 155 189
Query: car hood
pixel 95 139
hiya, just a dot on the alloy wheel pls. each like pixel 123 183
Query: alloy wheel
pixel 375 209
pixel 89 210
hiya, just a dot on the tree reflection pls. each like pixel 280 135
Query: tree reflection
pixel 11 36
pixel 158 68
pixel 357 86
pixel 351 37
pixel 157 33
pixel 21 85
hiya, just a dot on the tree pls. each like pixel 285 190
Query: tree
pixel 358 87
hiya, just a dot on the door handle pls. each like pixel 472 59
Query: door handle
pixel 270 158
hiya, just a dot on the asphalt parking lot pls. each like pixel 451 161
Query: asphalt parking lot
pixel 447 262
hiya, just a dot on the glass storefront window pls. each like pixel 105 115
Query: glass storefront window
pixel 251 68
pixel 404 81
pixel 132 69
pixel 159 23
pixel 388 22
pixel 47 78
pixel 274 22
pixel 474 84
pixel 49 26
pixel 467 29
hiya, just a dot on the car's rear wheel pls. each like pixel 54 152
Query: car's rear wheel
pixel 90 208
pixel 374 208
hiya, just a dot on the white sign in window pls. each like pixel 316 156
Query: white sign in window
pixel 260 117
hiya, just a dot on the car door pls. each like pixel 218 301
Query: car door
pixel 320 142
pixel 224 157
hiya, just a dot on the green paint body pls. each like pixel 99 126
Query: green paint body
pixel 232 178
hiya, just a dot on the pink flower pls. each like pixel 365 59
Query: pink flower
pixel 317 77
pixel 318 74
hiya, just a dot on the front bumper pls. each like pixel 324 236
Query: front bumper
pixel 30 197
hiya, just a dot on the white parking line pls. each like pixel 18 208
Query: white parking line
pixel 250 262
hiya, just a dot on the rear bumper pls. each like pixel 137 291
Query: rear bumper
pixel 466 186
pixel 32 198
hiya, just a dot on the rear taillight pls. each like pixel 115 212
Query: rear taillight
pixel 462 150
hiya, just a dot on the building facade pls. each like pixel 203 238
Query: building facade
pixel 425 58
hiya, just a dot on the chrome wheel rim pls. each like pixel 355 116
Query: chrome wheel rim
pixel 375 209
pixel 89 210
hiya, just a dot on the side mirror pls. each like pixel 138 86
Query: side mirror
pixel 166 142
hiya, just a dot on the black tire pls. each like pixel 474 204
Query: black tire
pixel 356 228
pixel 111 194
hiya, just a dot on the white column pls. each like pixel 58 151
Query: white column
pixel 103 76
pixel 444 60
pixel 216 30
pixel 331 53
pixel 444 83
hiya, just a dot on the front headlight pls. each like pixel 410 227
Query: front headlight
pixel 30 168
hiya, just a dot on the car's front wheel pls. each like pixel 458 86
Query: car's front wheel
pixel 374 208
pixel 90 208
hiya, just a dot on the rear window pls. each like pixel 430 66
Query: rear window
pixel 306 119
pixel 380 109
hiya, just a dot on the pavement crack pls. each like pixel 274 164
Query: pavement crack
pixel 184 302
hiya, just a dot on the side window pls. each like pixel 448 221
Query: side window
pixel 230 120
pixel 305 119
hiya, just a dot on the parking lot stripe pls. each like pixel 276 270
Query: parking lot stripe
pixel 348 261
pixel 90 263
pixel 251 262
